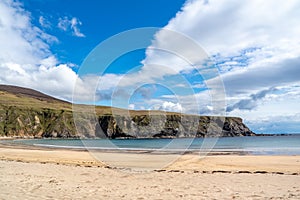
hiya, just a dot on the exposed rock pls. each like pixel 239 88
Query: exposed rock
pixel 172 126
pixel 28 113
pixel 21 122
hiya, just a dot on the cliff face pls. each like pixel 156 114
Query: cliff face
pixel 171 126
pixel 20 122
pixel 27 116
pixel 59 123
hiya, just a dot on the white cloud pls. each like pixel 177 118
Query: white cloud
pixel 276 124
pixel 72 24
pixel 20 41
pixel 170 106
pixel 44 22
pixel 255 45
pixel 25 56
pixel 227 26
pixel 261 75
pixel 131 106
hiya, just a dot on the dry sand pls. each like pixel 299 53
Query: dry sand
pixel 64 174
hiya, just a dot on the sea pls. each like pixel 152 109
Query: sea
pixel 256 145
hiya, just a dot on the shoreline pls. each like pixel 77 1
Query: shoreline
pixel 213 162
pixel 46 173
pixel 11 142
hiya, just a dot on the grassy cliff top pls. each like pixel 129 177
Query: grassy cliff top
pixel 28 98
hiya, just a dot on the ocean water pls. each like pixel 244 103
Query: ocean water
pixel 269 145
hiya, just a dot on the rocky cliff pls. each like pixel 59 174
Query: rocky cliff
pixel 171 126
pixel 27 113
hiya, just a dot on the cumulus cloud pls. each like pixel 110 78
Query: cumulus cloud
pixel 204 103
pixel 70 24
pixel 228 26
pixel 246 38
pixel 20 41
pixel 56 80
pixel 255 45
pixel 26 58
pixel 170 106
pixel 232 29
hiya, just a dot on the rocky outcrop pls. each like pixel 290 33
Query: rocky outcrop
pixel 27 113
pixel 171 126
pixel 20 122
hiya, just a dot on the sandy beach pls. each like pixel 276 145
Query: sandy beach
pixel 68 174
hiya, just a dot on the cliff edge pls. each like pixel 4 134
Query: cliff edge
pixel 27 113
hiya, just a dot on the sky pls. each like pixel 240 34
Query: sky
pixel 208 57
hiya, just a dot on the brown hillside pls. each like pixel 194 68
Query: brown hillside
pixel 21 91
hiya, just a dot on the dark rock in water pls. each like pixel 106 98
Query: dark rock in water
pixel 28 113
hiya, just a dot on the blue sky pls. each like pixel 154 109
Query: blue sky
pixel 209 57
pixel 100 19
